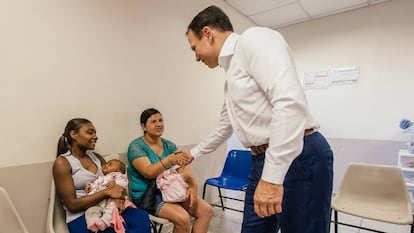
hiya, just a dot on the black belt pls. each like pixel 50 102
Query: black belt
pixel 257 150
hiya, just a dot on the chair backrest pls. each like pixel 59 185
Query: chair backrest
pixel 238 164
pixel 56 219
pixel 379 185
pixel 10 220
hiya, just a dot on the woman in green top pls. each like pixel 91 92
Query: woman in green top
pixel 150 155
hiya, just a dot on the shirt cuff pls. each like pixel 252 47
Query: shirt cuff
pixel 195 152
pixel 274 173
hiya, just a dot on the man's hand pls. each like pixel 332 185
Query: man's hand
pixel 268 198
pixel 184 157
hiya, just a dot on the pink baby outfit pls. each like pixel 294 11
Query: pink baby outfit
pixel 99 217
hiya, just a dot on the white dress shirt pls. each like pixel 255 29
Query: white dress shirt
pixel 264 101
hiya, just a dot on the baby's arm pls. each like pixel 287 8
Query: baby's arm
pixel 88 188
pixel 93 186
pixel 101 183
pixel 122 180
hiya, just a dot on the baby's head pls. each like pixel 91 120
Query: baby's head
pixel 113 165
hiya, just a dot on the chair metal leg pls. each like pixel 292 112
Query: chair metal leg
pixel 204 190
pixel 221 198
pixel 336 220
pixel 412 226
pixel 154 227
pixel 330 220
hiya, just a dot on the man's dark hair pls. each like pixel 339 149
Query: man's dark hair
pixel 213 17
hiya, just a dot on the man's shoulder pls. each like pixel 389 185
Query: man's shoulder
pixel 256 39
pixel 257 31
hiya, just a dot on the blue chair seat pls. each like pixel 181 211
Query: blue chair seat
pixel 228 182
pixel 234 175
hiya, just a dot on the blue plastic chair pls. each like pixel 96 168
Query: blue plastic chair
pixel 234 175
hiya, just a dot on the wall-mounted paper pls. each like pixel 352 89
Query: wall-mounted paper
pixel 347 75
pixel 316 80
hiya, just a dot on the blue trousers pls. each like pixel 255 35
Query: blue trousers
pixel 136 221
pixel 307 192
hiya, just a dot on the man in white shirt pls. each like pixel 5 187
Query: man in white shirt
pixel 290 184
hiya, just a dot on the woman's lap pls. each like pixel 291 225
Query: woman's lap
pixel 159 203
pixel 201 209
pixel 157 206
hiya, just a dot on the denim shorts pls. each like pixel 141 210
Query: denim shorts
pixel 158 203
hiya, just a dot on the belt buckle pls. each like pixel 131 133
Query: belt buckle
pixel 256 150
pixel 309 132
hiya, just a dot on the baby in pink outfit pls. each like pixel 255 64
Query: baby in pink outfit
pixel 99 217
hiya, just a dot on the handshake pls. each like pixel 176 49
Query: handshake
pixel 182 157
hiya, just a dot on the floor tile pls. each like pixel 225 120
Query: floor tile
pixel 229 221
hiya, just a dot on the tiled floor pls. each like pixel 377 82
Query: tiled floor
pixel 230 222
pixel 222 222
pixel 381 226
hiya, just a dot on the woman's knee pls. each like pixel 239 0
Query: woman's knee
pixel 176 214
pixel 183 217
pixel 204 209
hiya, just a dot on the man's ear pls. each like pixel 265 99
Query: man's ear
pixel 207 32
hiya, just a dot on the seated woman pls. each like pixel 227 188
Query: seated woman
pixel 75 166
pixel 149 156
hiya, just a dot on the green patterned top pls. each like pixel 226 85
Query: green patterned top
pixel 137 149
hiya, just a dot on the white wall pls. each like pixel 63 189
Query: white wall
pixel 378 39
pixel 361 120
pixel 105 61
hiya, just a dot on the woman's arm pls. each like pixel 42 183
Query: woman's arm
pixel 65 188
pixel 188 176
pixel 151 171
pixel 192 183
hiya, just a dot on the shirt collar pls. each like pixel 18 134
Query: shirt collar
pixel 228 48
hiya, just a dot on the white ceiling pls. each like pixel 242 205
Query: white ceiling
pixel 279 13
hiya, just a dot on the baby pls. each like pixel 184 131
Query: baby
pixel 99 217
pixel 173 185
